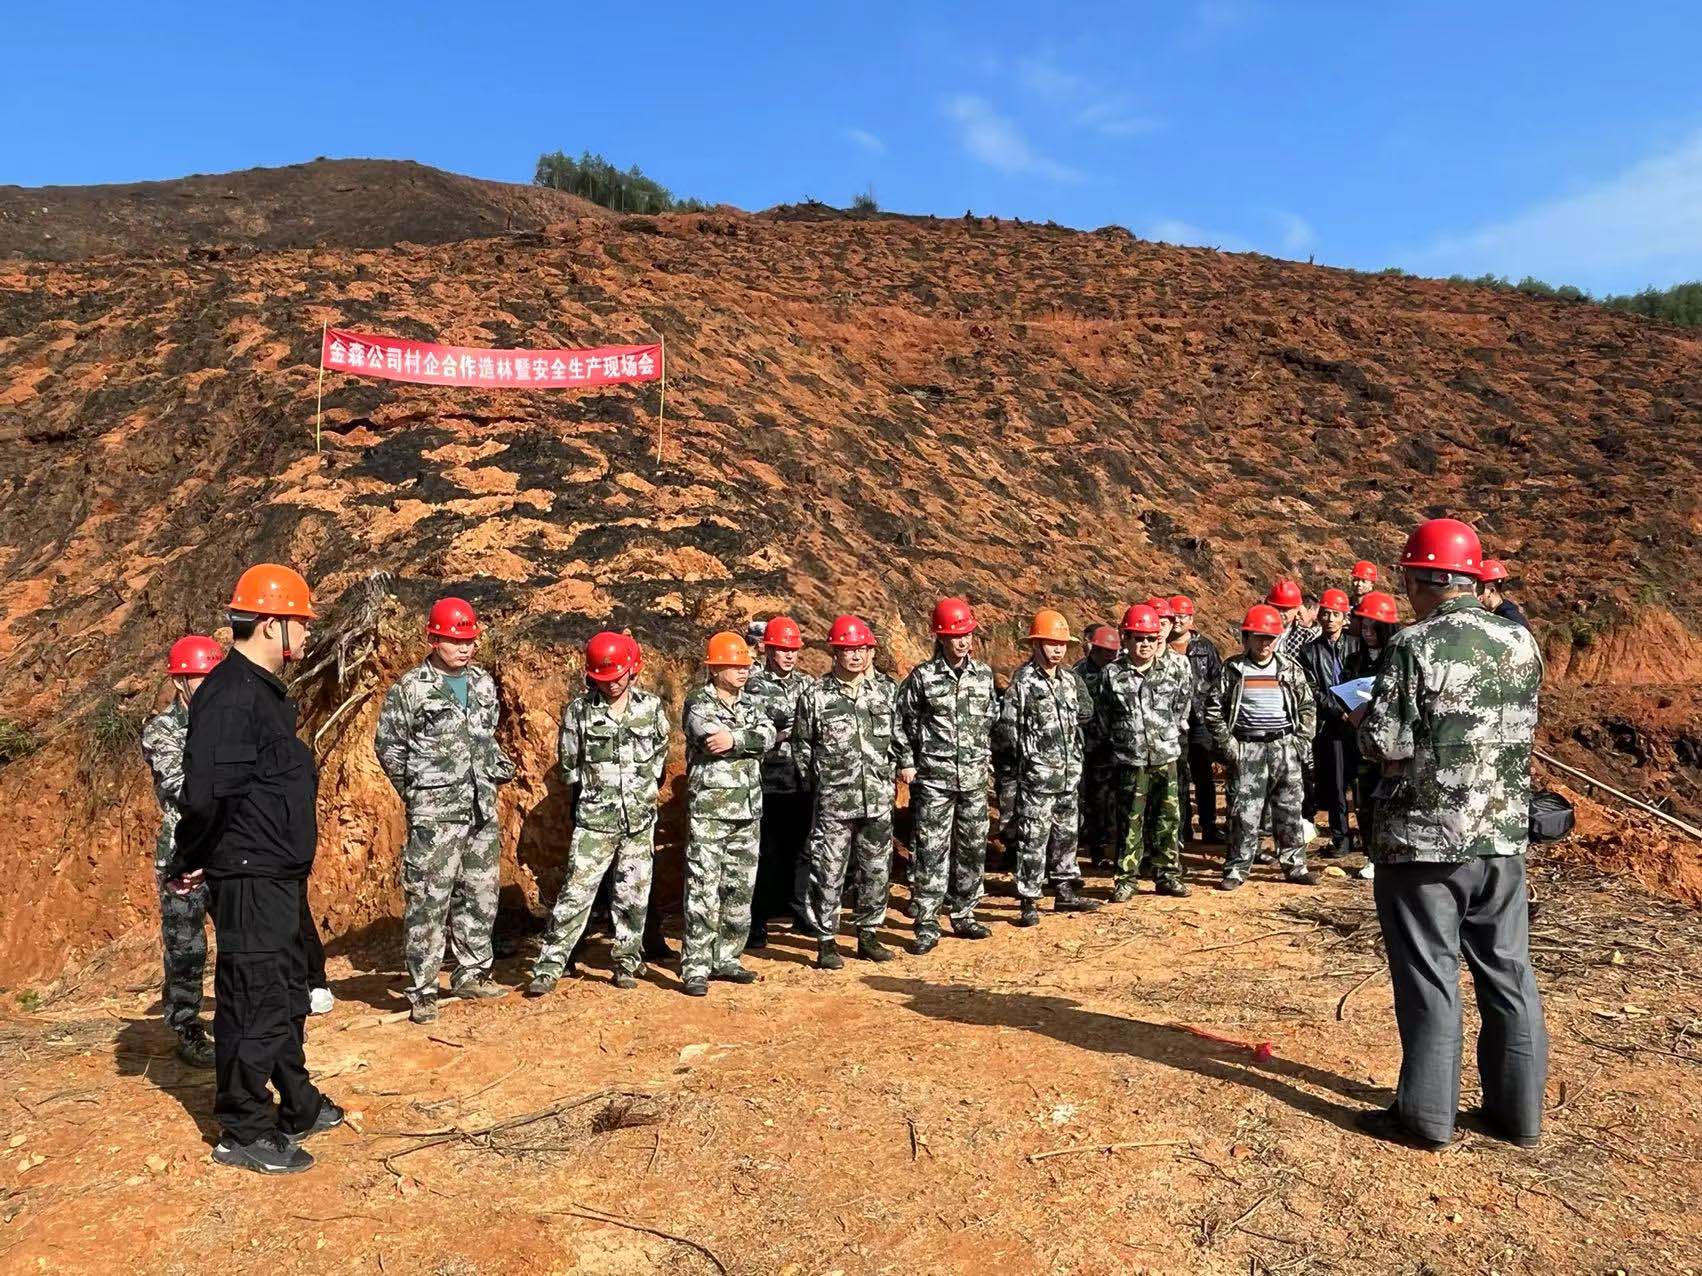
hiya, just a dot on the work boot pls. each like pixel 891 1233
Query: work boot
pixel 329 1118
pixel 482 987
pixel 1231 882
pixel 194 1047
pixel 758 938
pixel 910 909
pixel 1174 887
pixel 1069 899
pixel 696 986
pixel 1124 890
pixel 924 942
pixel 828 956
pixel 541 986
pixel 969 928
pixel 268 1154
pixel 869 948
pixel 624 978
pixel 733 974
pixel 423 1011
pixel 1028 913
pixel 1302 877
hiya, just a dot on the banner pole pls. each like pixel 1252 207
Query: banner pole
pixel 319 412
pixel 662 403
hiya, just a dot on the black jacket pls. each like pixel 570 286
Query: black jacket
pixel 1208 668
pixel 249 785
pixel 1326 668
pixel 1510 610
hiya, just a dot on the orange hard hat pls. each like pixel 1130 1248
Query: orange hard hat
pixel 727 650
pixel 269 589
pixel 1334 600
pixel 1378 606
pixel 782 634
pixel 1284 593
pixel 1263 619
pixel 1444 545
pixel 1050 626
pixel 193 656
pixel 610 656
pixel 453 618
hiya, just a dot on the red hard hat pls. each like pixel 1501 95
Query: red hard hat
pixel 1181 605
pixel 1160 603
pixel 849 631
pixel 610 656
pixel 1263 619
pixel 953 618
pixel 782 634
pixel 1444 545
pixel 1105 638
pixel 193 656
pixel 453 618
pixel 1335 600
pixel 1378 606
pixel 1364 570
pixel 1493 569
pixel 1142 618
pixel 1284 593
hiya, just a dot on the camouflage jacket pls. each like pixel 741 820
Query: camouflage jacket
pixel 1040 728
pixel 1455 708
pixel 728 786
pixel 443 759
pixel 162 745
pixel 778 693
pixel 614 764
pixel 1224 707
pixel 1095 745
pixel 946 716
pixel 1144 716
pixel 847 745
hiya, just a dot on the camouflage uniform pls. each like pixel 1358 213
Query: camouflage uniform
pixel 1265 769
pixel 1144 715
pixel 1452 718
pixel 946 716
pixel 1097 793
pixel 183 934
pixel 724 803
pixel 783 867
pixel 1040 726
pixel 445 763
pixel 613 765
pixel 846 743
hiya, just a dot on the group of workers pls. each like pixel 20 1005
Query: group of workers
pixel 791 783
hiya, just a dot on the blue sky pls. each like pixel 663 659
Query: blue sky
pixel 1558 139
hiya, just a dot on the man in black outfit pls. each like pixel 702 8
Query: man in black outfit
pixel 250 829
pixel 1193 771
pixel 1335 749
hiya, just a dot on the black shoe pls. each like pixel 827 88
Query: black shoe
pixel 541 986
pixel 1069 899
pixel 969 928
pixel 1231 883
pixel 1496 1130
pixel 268 1154
pixel 734 974
pixel 329 1118
pixel 624 979
pixel 1386 1124
pixel 194 1047
pixel 1304 877
pixel 924 942
pixel 758 938
pixel 1028 913
pixel 870 948
pixel 423 1011
pixel 1334 851
pixel 656 949
pixel 910 909
pixel 1175 887
pixel 828 956
pixel 696 986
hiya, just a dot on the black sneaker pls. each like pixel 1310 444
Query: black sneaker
pixel 1028 913
pixel 194 1047
pixel 1386 1124
pixel 869 948
pixel 329 1118
pixel 969 928
pixel 268 1154
pixel 924 942
pixel 541 986
pixel 734 974
pixel 1495 1130
pixel 696 986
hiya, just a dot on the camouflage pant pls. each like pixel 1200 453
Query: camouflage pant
pixel 449 886
pixel 1097 807
pixel 1045 841
pixel 590 854
pixel 1004 793
pixel 1261 771
pixel 835 846
pixel 948 845
pixel 1149 818
pixel 721 858
pixel 183 940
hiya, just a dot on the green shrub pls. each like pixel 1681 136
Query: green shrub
pixel 16 741
pixel 864 202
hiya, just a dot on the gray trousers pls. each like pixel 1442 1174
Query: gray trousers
pixel 1430 914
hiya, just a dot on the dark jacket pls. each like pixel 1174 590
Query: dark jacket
pixel 1326 666
pixel 1509 610
pixel 1208 667
pixel 249 785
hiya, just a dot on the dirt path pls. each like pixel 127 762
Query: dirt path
pixel 894 1118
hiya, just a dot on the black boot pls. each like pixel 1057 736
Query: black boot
pixel 1069 899
pixel 828 956
pixel 869 948
pixel 1028 913
pixel 194 1047
pixel 758 937
pixel 925 942
pixel 969 928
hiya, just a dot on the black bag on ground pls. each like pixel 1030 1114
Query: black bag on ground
pixel 1551 817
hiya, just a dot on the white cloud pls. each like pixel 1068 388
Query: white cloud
pixel 1215 17
pixel 1088 105
pixel 1045 79
pixel 1171 230
pixel 996 141
pixel 867 140
pixel 1297 232
pixel 1643 224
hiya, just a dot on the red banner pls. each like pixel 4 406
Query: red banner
pixel 399 359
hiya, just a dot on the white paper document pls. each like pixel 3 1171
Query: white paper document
pixel 1354 693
